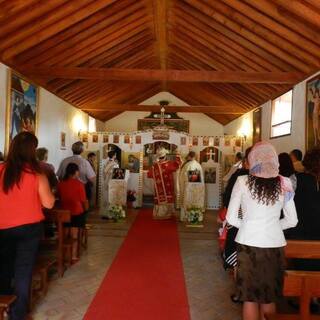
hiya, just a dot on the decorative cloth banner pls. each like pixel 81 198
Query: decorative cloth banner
pixel 118 192
pixel 194 195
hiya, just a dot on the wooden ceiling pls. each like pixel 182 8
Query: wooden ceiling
pixel 223 57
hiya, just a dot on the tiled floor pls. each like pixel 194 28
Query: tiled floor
pixel 208 285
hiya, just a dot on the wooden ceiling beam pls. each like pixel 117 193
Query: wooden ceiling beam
pixel 105 57
pixel 288 61
pixel 156 108
pixel 58 20
pixel 108 14
pixel 230 38
pixel 9 8
pixel 160 75
pixel 274 26
pixel 285 18
pixel 160 13
pixel 257 31
pixel 311 15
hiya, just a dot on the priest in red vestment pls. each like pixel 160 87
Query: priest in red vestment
pixel 162 174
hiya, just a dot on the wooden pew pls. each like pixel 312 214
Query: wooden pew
pixel 59 217
pixel 302 284
pixel 5 302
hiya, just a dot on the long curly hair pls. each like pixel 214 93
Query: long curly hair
pixel 266 191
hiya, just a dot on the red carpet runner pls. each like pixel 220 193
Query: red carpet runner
pixel 146 280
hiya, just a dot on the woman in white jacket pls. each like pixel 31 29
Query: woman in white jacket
pixel 261 195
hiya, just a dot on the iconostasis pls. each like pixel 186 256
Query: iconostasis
pixel 136 151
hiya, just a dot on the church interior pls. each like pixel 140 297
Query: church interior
pixel 162 105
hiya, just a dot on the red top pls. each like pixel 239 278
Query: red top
pixel 72 195
pixel 22 204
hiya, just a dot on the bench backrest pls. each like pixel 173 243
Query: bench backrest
pixel 303 249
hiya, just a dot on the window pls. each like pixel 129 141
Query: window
pixel 281 115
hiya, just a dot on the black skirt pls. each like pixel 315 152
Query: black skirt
pixel 260 274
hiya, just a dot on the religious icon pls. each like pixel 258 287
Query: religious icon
pixel 84 138
pixel 126 139
pixel 22 108
pixel 118 174
pixel 216 141
pixel 63 141
pixel 227 141
pixel 238 142
pixel 313 113
pixel 116 138
pixel 205 141
pixel 95 138
pixel 195 141
pixel 105 138
pixel 138 139
pixel 210 175
pixel 194 176
pixel 183 141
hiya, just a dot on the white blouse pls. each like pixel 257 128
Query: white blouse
pixel 260 225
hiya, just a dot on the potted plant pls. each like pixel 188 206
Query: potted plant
pixel 116 213
pixel 194 217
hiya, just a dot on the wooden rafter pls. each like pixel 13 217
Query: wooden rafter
pixel 161 75
pixel 154 108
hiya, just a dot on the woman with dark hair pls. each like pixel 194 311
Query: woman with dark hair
pixel 23 190
pixel 307 198
pixel 286 168
pixel 261 195
pixel 72 195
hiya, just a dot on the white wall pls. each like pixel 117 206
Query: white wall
pixel 282 144
pixel 55 116
pixel 200 124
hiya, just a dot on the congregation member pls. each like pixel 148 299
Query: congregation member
pixel 230 249
pixel 286 168
pixel 23 192
pixel 261 195
pixel 86 173
pixel 162 174
pixel 191 164
pixel 47 168
pixel 296 157
pixel 307 199
pixel 90 185
pixel 234 168
pixel 72 196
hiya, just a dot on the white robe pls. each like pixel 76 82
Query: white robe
pixel 183 180
pixel 107 175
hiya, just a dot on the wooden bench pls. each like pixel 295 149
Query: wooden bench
pixel 302 284
pixel 5 302
pixel 63 247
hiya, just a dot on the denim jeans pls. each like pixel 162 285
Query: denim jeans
pixel 18 251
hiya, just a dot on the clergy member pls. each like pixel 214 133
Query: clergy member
pixel 111 164
pixel 162 174
pixel 191 164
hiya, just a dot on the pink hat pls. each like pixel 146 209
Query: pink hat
pixel 263 160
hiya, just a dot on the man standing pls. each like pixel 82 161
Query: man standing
pixel 296 157
pixel 162 174
pixel 234 168
pixel 86 172
pixel 191 164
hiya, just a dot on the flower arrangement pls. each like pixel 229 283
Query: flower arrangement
pixel 194 216
pixel 116 213
pixel 131 196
